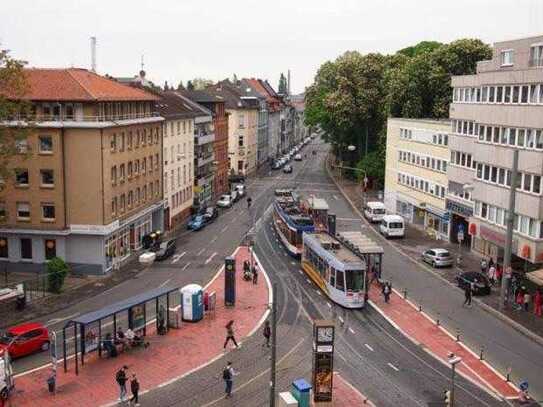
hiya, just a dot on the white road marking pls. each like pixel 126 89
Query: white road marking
pixel 300 271
pixel 308 280
pixel 201 251
pixel 351 330
pixel 393 367
pixel 164 283
pixel 224 229
pixel 335 197
pixel 214 239
pixel 368 346
pixel 293 263
pixel 210 258
pixel 318 291
pixel 185 266
pixel 329 305
pixel 57 320
pixel 176 257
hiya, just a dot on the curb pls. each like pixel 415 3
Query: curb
pixel 504 318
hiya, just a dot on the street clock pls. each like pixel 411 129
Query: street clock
pixel 323 359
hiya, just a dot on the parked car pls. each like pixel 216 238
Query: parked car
pixel 392 226
pixel 438 257
pixel 287 169
pixel 225 201
pixel 165 250
pixel 481 285
pixel 211 213
pixel 374 211
pixel 25 339
pixel 197 222
pixel 235 196
pixel 277 164
pixel 298 157
pixel 240 189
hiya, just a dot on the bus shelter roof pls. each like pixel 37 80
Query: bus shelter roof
pixel 121 305
pixel 361 242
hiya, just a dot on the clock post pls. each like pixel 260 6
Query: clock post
pixel 323 361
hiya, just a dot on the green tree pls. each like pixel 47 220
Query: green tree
pixel 422 47
pixel 201 83
pixel 57 270
pixel 190 86
pixel 180 86
pixel 13 107
pixel 282 88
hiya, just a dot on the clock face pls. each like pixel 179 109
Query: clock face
pixel 325 334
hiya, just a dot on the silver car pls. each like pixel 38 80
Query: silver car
pixel 438 257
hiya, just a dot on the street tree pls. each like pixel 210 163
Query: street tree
pixel 282 88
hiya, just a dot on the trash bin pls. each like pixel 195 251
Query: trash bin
pixel 301 390
pixel 51 381
pixel 193 302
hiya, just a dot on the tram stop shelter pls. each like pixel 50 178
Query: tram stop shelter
pixel 136 310
pixel 366 248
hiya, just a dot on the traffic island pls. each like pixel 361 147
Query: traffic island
pixel 168 358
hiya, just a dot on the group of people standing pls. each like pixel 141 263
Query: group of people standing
pixel 250 273
pixel 121 378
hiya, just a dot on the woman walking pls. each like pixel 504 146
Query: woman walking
pixel 230 334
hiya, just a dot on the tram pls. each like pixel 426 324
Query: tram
pixel 335 268
pixel 290 221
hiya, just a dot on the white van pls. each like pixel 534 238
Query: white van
pixel 374 211
pixel 392 226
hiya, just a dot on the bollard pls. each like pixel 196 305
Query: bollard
pixel 508 377
pixel 481 353
pixel 457 335
pixel 404 294
pixel 437 319
pixel 420 308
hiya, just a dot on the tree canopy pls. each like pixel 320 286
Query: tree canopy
pixel 282 88
pixel 353 95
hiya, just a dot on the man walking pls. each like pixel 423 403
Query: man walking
pixel 230 334
pixel 228 377
pixel 121 379
pixel 387 288
pixel 255 274
pixel 467 294
pixel 267 333
pixel 135 388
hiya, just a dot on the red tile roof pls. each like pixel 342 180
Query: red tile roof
pixel 79 85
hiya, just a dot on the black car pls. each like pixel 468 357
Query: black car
pixel 210 214
pixel 164 250
pixel 481 283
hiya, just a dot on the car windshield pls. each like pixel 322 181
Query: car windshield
pixel 378 211
pixel 198 218
pixel 444 254
pixel 395 225
pixel 354 280
pixel 163 245
pixel 7 338
pixel 225 197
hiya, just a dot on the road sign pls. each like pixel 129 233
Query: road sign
pixel 460 236
pixel 461 229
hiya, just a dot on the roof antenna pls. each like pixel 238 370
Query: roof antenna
pixel 142 64
pixel 93 54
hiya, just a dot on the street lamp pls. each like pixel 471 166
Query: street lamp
pixel 453 361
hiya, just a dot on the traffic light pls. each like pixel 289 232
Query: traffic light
pixel 448 398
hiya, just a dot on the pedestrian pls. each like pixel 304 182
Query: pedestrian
pixel 538 302
pixel 267 333
pixel 255 274
pixel 499 273
pixel 519 299
pixel 467 294
pixel 387 288
pixel 121 379
pixel 490 262
pixel 135 388
pixel 230 334
pixel 483 265
pixel 228 374
pixel 527 298
pixel 492 274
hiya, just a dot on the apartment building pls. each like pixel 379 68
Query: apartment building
pixel 215 103
pixel 178 158
pixel 417 159
pixel 268 122
pixel 300 129
pixel 204 156
pixel 91 186
pixel 497 110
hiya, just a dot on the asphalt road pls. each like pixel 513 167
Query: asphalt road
pixel 370 354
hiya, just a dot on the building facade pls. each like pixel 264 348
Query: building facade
pixel 92 185
pixel 178 158
pixel 417 159
pixel 495 111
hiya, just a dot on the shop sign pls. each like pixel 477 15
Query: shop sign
pixel 459 209
pixel 496 237
pixel 95 229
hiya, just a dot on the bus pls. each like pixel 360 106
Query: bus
pixel 336 269
pixel 290 222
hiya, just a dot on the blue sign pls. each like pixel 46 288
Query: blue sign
pixel 461 228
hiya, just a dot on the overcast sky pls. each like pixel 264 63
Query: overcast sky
pixel 213 39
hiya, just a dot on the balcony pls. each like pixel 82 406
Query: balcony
pixel 202 138
pixel 202 160
pixel 204 179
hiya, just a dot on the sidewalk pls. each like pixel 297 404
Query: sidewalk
pixel 416 241
pixel 169 357
pixel 434 339
pixel 345 395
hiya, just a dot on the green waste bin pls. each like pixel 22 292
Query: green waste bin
pixel 301 390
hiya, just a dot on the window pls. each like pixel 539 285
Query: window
pixel 121 147
pixel 121 173
pixel 47 178
pixel 536 55
pixel 494 174
pixel 130 198
pixel 491 94
pixel 4 249
pixel 26 249
pixel 512 136
pixel 156 161
pixel 496 137
pixel 521 138
pixel 50 249
pixel 516 94
pixel 21 177
pixel 47 211
pixel 507 57
pixel 113 142
pixel 533 93
pixel 123 202
pixel 525 89
pixel 527 182
pixel 23 211
pixel 507 95
pixel 130 169
pixel 499 94
pixel 486 175
pixel 2 211
pixel 240 141
pixel 537 184
pixel 130 140
pixel 114 175
pixel 22 146
pixel 114 206
pixel 501 176
pixel 46 144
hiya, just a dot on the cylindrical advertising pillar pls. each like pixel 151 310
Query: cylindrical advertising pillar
pixel 229 281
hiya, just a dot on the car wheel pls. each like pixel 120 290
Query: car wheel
pixel 45 346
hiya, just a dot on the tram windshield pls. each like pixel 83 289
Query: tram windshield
pixel 354 280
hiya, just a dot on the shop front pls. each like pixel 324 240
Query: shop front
pixel 437 222
pixel 489 242
pixel 460 215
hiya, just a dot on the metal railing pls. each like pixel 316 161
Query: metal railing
pixel 83 118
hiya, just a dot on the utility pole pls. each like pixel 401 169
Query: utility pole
pixel 274 345
pixel 509 237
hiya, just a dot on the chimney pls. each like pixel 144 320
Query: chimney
pixel 288 82
pixel 93 54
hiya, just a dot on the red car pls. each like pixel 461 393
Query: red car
pixel 22 340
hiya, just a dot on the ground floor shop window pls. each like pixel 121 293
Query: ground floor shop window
pixel 50 249
pixel 437 224
pixel 26 249
pixel 117 247
pixel 142 229
pixel 3 247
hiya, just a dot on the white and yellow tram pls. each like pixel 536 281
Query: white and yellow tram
pixel 335 268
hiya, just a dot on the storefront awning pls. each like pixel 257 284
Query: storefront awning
pixel 536 277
